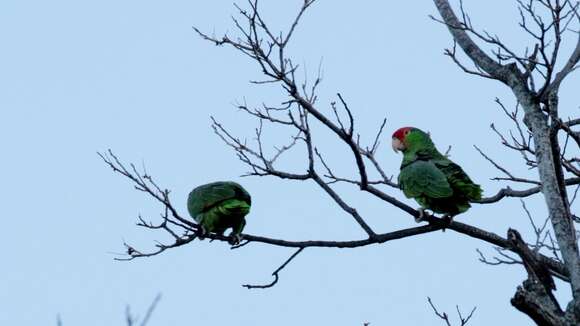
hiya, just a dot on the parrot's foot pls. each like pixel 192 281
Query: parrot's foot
pixel 446 219
pixel 201 233
pixel 234 239
pixel 422 215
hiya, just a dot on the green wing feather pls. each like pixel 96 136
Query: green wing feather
pixel 459 180
pixel 423 178
pixel 204 197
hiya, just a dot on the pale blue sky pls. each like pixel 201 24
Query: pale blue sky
pixel 78 77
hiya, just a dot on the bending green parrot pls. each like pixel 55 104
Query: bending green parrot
pixel 218 206
pixel 433 180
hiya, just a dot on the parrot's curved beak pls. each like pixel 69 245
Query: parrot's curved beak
pixel 397 145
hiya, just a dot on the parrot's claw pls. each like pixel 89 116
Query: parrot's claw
pixel 422 215
pixel 446 219
pixel 201 233
pixel 234 239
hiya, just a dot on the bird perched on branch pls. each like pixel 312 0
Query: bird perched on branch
pixel 428 176
pixel 218 206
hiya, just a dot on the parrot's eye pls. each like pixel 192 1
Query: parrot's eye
pixel 406 132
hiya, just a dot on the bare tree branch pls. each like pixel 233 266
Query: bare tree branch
pixel 275 273
pixel 134 320
pixel 463 320
pixel 508 192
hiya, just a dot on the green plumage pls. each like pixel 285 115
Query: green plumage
pixel 433 180
pixel 220 205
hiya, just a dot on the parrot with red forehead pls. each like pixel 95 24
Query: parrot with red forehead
pixel 428 176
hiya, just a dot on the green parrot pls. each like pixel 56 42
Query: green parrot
pixel 218 206
pixel 433 180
